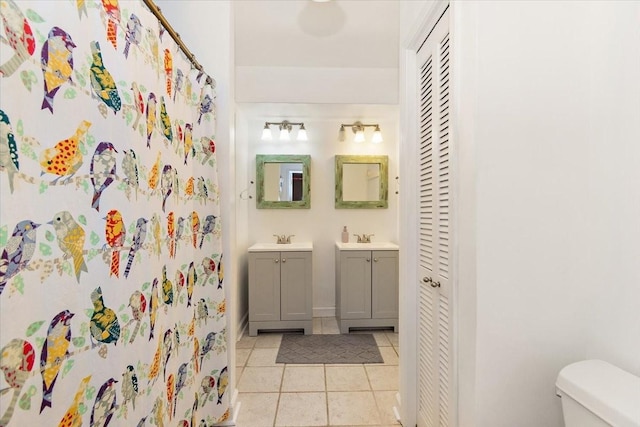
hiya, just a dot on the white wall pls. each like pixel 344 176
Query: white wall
pixel 614 181
pixel 553 116
pixel 317 85
pixel 322 224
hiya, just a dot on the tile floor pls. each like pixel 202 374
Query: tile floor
pixel 315 395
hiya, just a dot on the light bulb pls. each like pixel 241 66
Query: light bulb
pixel 302 134
pixel 284 133
pixel 266 133
pixel 377 136
pixel 341 134
pixel 359 136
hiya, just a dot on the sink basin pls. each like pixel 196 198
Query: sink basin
pixel 373 246
pixel 281 247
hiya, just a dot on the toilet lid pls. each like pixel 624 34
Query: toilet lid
pixel 604 389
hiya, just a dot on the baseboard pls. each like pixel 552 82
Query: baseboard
pixel 242 326
pixel 324 312
pixel 396 409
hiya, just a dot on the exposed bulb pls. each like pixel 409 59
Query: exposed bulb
pixel 359 136
pixel 266 133
pixel 341 136
pixel 377 136
pixel 284 133
pixel 302 134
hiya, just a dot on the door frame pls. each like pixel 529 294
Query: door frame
pixel 409 229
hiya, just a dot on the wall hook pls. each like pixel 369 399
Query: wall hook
pixel 244 194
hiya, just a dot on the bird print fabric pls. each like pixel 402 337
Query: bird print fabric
pixel 168 69
pixel 66 157
pixel 130 170
pixel 109 222
pixel 133 34
pixel 104 405
pixel 19 36
pixel 8 149
pixel 102 82
pixel 112 9
pixel 151 117
pixel 73 417
pixel 138 305
pixel 129 387
pixel 103 169
pixel 18 251
pixel 139 237
pixel 153 307
pixel 115 233
pixel 104 325
pixel 71 237
pixel 57 64
pixel 165 121
pixel 54 351
pixel 17 359
pixel 138 103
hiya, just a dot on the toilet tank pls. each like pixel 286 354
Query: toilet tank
pixel 597 394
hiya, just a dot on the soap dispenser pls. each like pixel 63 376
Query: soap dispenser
pixel 345 235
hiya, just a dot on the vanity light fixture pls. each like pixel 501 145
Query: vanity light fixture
pixel 358 129
pixel 285 128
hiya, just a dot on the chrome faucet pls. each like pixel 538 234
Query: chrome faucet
pixel 364 238
pixel 283 239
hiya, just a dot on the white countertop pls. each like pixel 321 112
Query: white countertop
pixel 373 246
pixel 281 247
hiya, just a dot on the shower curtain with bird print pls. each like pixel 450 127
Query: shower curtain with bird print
pixel 112 307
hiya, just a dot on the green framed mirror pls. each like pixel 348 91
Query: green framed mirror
pixel 283 181
pixel 362 182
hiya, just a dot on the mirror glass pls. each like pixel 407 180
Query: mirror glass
pixel 361 182
pixel 283 181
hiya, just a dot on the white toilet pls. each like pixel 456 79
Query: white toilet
pixel 597 394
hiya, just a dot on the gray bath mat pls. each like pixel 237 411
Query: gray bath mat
pixel 329 349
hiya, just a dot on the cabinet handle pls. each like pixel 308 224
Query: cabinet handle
pixel 435 284
pixel 276 260
pixel 375 260
pixel 284 260
pixel 368 259
pixel 427 280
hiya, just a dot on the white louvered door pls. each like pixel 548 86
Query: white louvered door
pixel 435 358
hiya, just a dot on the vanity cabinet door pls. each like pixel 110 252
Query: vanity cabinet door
pixel 384 285
pixel 295 285
pixel 355 283
pixel 264 286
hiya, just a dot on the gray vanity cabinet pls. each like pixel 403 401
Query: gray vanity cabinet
pixel 280 291
pixel 366 288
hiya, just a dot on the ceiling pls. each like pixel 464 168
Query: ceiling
pixel 304 33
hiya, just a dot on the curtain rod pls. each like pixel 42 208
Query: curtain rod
pixel 190 56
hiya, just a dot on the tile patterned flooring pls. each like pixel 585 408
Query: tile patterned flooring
pixel 275 395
